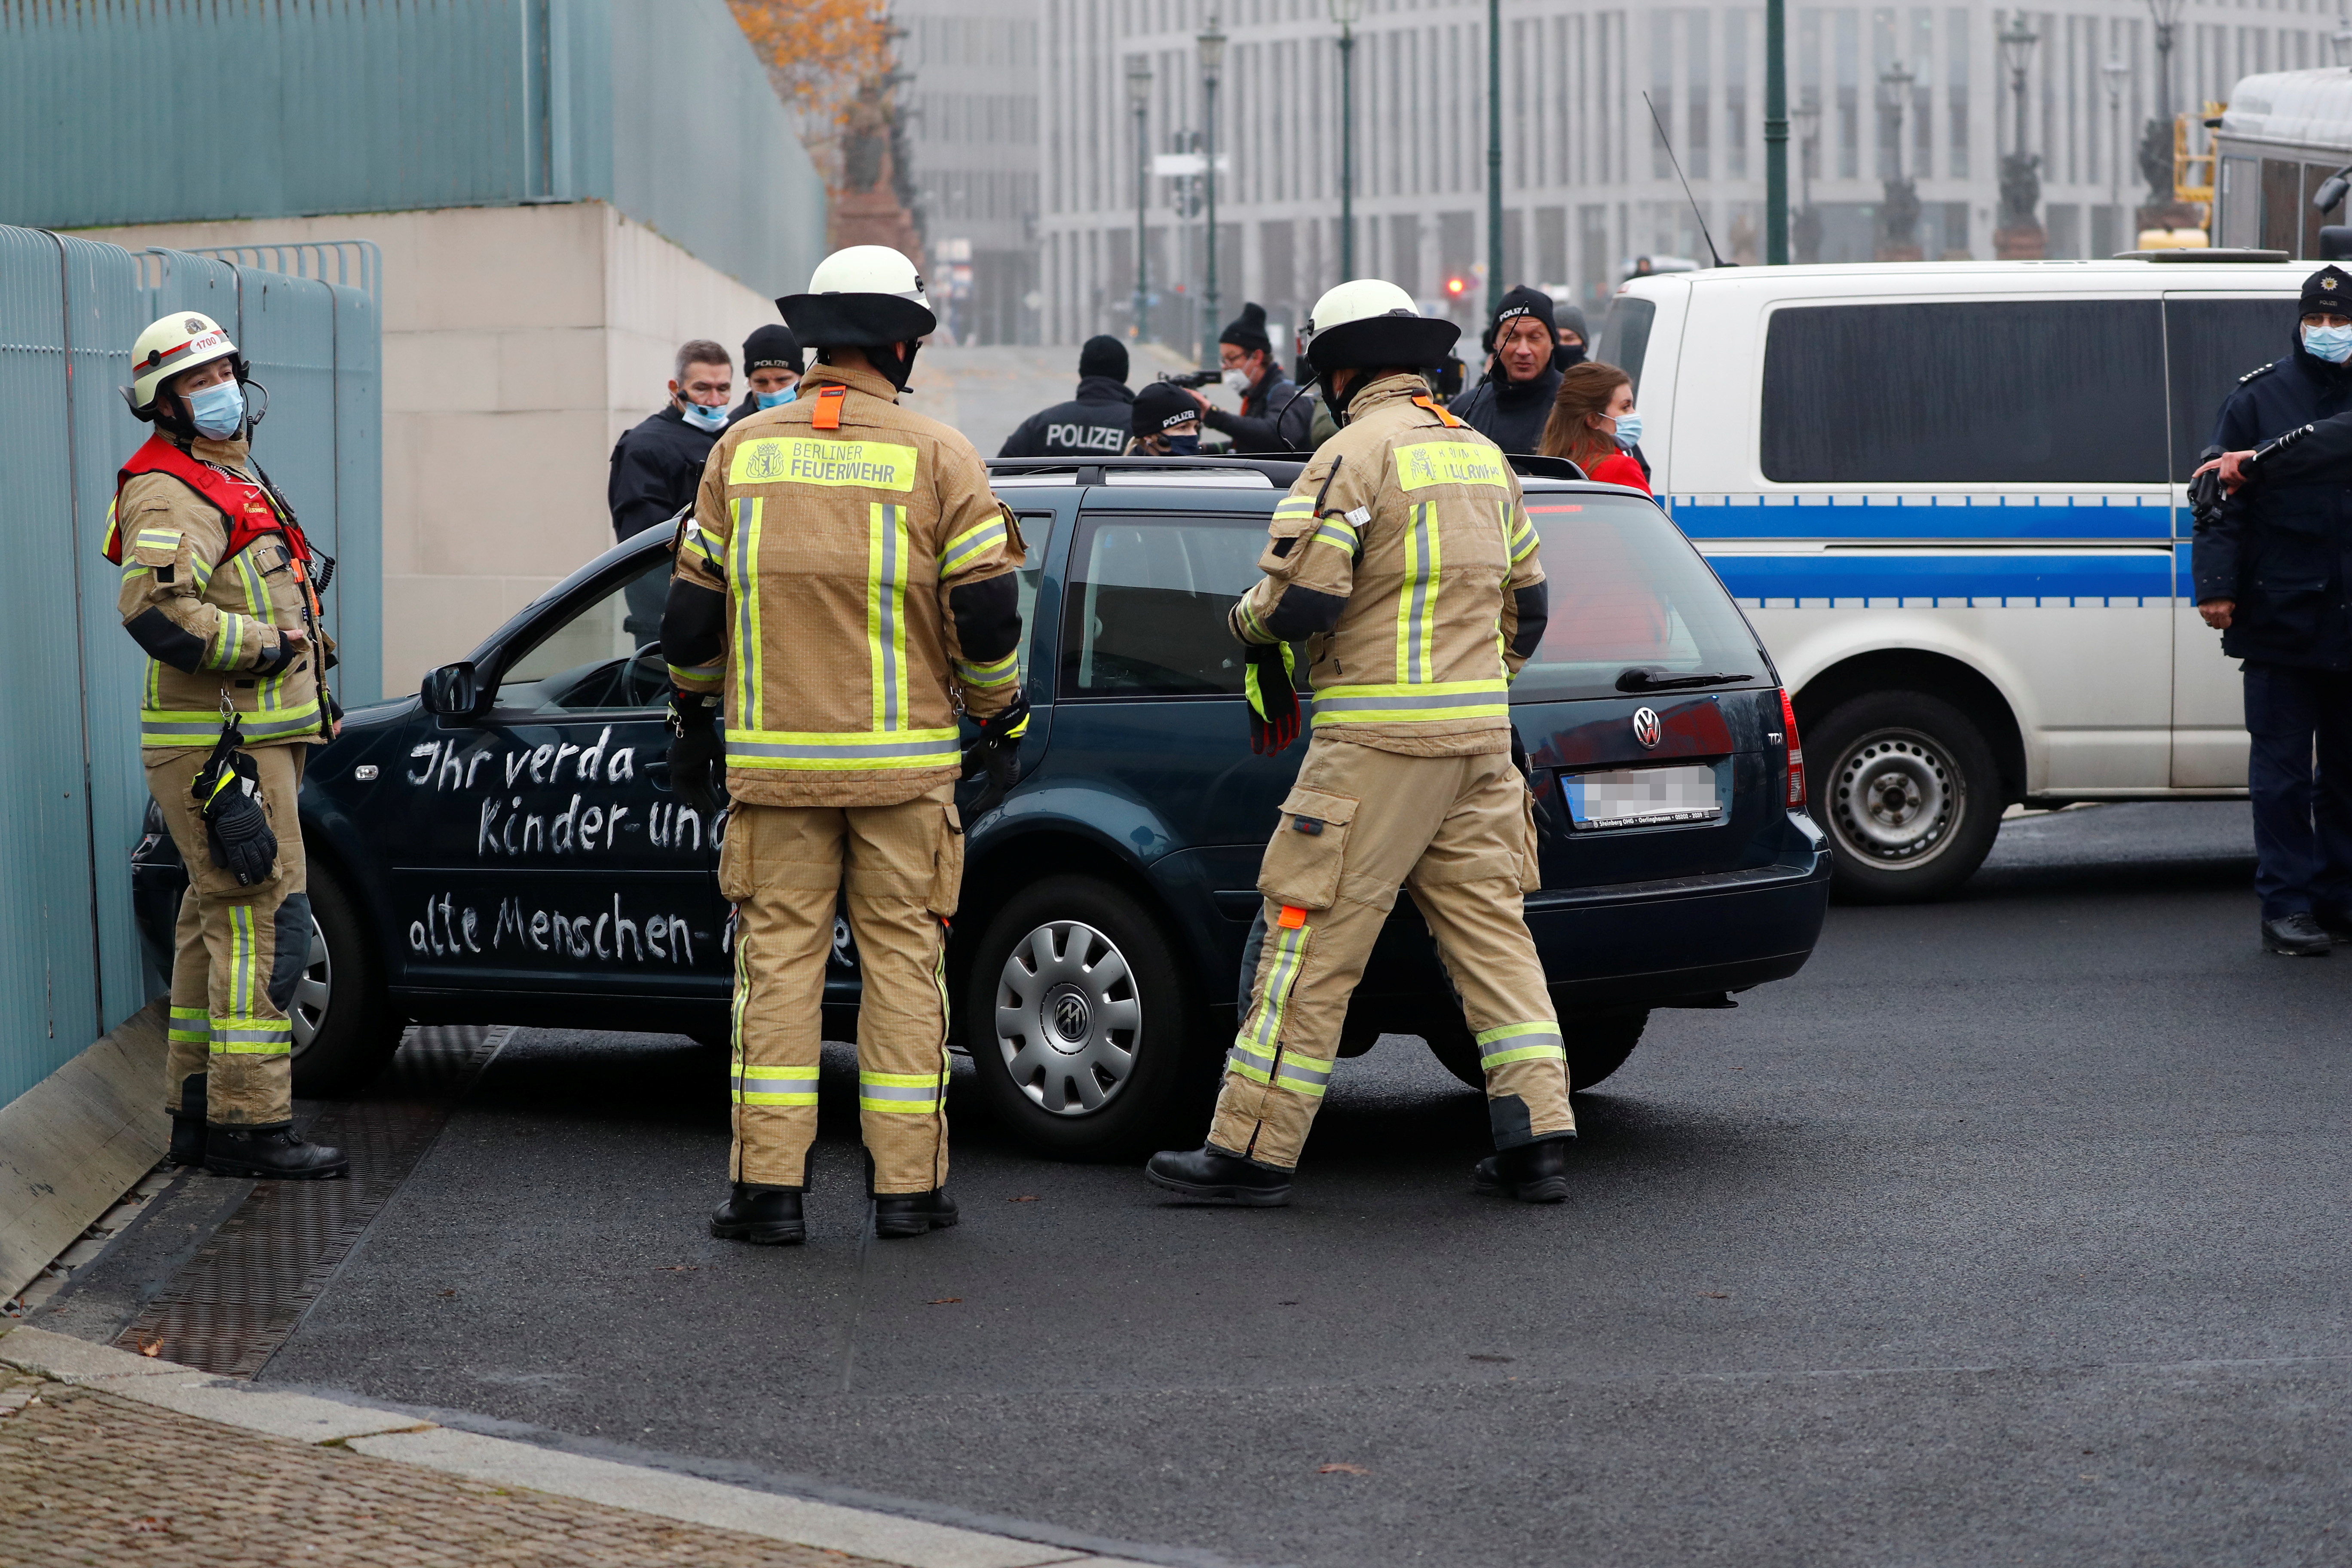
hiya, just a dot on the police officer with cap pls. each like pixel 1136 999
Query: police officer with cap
pixel 220 590
pixel 771 364
pixel 2270 567
pixel 1094 423
pixel 1405 559
pixel 845 588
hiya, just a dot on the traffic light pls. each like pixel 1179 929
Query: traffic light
pixel 1455 287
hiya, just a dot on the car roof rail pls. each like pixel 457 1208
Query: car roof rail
pixel 1280 471
pixel 1527 466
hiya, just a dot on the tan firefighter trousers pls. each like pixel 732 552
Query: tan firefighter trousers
pixel 783 867
pixel 1459 833
pixel 238 951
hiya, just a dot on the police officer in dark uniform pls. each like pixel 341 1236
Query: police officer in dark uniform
pixel 773 366
pixel 2270 563
pixel 657 465
pixel 1094 423
pixel 1512 406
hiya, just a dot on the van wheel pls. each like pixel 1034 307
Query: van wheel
pixel 1079 1023
pixel 342 1034
pixel 1597 1045
pixel 1908 792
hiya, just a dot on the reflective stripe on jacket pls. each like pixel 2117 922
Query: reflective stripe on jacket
pixel 836 549
pixel 1401 548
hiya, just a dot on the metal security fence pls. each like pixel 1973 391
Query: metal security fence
pixel 69 962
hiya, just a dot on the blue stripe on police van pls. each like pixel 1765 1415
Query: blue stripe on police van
pixel 1972 578
pixel 1921 517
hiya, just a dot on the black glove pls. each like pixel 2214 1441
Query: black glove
pixel 1519 755
pixel 998 749
pixel 1273 700
pixel 2205 495
pixel 229 796
pixel 694 750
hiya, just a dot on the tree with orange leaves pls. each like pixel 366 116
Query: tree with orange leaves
pixel 819 52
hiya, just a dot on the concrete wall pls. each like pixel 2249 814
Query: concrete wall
pixel 519 342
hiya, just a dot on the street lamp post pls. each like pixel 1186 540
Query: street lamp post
pixel 1776 134
pixel 1899 206
pixel 1495 284
pixel 1346 14
pixel 1213 59
pixel 2156 145
pixel 2019 236
pixel 1138 93
pixel 2116 72
pixel 1808 228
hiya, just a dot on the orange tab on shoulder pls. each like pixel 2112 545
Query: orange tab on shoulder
pixel 1433 405
pixel 828 408
pixel 1291 917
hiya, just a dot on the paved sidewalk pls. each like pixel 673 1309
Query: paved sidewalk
pixel 108 1458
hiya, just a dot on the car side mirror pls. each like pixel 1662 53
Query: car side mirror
pixel 452 689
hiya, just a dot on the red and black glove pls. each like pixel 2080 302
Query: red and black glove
pixel 1273 700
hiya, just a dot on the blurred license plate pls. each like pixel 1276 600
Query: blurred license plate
pixel 1642 798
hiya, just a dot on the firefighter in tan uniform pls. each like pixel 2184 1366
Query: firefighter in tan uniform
pixel 1404 556
pixel 220 589
pixel 843 589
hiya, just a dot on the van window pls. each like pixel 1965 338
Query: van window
pixel 2058 392
pixel 2211 343
pixel 1626 337
pixel 1625 589
pixel 1144 614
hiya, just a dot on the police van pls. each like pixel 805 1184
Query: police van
pixel 1952 497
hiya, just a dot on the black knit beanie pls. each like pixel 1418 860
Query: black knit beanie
pixel 1248 332
pixel 769 348
pixel 1103 355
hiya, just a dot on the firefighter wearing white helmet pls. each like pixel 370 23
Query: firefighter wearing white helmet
pixel 843 590
pixel 1403 559
pixel 220 590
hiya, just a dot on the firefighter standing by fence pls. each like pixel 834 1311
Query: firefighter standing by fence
pixel 220 589
pixel 1404 553
pixel 845 584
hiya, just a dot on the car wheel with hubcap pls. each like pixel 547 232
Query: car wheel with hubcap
pixel 1078 1021
pixel 1908 793
pixel 342 1034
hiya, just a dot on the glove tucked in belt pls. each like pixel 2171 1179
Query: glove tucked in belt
pixel 695 749
pixel 228 792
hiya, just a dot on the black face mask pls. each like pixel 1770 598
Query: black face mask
pixel 1566 355
pixel 1183 445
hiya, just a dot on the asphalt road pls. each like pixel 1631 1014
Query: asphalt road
pixel 2013 1230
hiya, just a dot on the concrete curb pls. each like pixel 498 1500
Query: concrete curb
pixel 404 1439
pixel 72 1144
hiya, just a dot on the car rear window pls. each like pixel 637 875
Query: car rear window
pixel 1626 590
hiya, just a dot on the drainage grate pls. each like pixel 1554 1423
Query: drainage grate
pixel 243 1292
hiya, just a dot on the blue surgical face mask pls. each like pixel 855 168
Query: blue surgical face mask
pixel 1629 430
pixel 711 419
pixel 775 399
pixel 218 412
pixel 2333 345
pixel 1185 446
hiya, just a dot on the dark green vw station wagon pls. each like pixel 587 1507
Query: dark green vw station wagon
pixel 504 847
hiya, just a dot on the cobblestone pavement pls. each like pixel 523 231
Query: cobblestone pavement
pixel 86 1477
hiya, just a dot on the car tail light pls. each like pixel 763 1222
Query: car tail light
pixel 1796 752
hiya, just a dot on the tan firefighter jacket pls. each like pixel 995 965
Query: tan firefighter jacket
pixel 837 549
pixel 1405 550
pixel 212 626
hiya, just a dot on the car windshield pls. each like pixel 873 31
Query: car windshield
pixel 1626 592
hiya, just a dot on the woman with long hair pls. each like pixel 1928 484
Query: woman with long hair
pixel 1593 425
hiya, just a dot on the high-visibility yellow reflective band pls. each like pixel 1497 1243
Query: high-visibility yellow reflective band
pixel 1417 600
pixel 1519 1043
pixel 1335 533
pixel 837 465
pixel 1429 703
pixel 1302 1074
pixel 1426 463
pixel 775 1086
pixel 198 727
pixel 969 543
pixel 743 627
pixel 703 544
pixel 901 1093
pixel 165 539
pixel 1294 507
pixel 996 672
pixel 251 1037
pixel 1264 1028
pixel 852 750
pixel 189 1026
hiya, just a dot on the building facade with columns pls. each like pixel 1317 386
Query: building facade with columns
pixel 1588 183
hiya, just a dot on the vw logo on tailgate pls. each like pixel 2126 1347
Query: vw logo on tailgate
pixel 1646 728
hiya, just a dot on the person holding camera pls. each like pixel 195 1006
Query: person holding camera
pixel 1276 415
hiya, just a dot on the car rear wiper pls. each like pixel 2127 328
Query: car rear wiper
pixel 1650 678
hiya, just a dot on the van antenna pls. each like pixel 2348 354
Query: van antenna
pixel 1713 253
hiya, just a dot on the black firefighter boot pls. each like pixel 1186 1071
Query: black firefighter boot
pixel 188 1122
pixel 901 1215
pixel 764 1216
pixel 1532 1172
pixel 274 1152
pixel 1209 1175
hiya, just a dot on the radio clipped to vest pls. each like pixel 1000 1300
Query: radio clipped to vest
pixel 228 792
